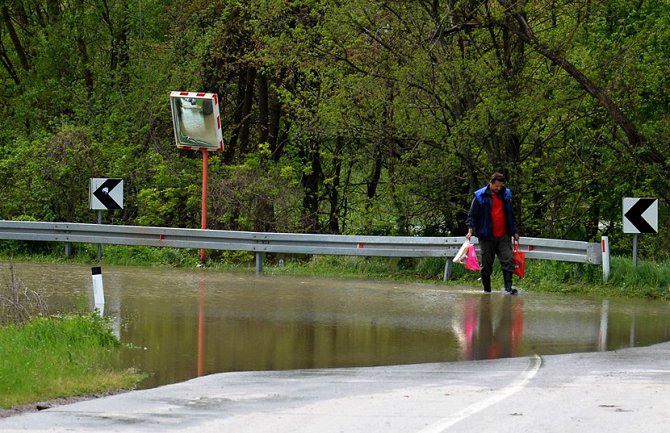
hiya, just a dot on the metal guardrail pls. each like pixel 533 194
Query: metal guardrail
pixel 289 243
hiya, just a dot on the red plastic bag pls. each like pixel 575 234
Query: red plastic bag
pixel 519 261
pixel 471 262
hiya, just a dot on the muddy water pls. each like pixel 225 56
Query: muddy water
pixel 179 324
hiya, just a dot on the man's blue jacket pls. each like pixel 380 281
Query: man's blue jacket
pixel 479 217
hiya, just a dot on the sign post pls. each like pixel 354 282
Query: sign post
pixel 203 204
pixel 640 215
pixel 197 126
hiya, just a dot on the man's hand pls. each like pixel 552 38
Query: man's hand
pixel 469 235
pixel 516 237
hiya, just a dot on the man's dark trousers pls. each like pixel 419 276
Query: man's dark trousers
pixel 501 247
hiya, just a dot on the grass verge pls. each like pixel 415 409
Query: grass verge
pixel 51 357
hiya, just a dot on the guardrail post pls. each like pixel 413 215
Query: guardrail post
pixel 68 249
pixel 605 243
pixel 447 268
pixel 259 263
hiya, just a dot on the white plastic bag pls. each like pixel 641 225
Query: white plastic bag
pixel 462 253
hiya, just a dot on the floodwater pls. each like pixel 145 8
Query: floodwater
pixel 180 324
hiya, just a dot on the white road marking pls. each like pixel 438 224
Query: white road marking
pixel 508 391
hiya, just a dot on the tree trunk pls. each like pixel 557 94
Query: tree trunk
pixel 334 188
pixel 246 110
pixel 88 74
pixel 120 49
pixel 276 144
pixel 376 174
pixel 16 41
pixel 230 149
pixel 8 65
pixel 310 184
pixel 53 11
pixel 263 109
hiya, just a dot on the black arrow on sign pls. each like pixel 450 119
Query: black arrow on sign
pixel 634 215
pixel 102 193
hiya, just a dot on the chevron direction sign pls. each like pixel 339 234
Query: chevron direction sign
pixel 106 194
pixel 640 215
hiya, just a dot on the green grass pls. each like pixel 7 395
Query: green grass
pixel 647 280
pixel 339 266
pixel 53 357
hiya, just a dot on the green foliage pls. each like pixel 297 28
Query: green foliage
pixel 362 117
pixel 58 356
pixel 172 200
pixel 258 195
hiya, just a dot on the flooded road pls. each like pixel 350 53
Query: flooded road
pixel 180 324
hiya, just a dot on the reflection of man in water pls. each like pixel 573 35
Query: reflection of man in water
pixel 489 341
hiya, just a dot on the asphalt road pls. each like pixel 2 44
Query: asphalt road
pixel 621 391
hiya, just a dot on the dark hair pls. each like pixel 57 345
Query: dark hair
pixel 498 177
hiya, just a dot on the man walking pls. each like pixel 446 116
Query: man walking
pixel 491 220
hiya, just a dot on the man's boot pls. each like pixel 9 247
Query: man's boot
pixel 486 282
pixel 507 277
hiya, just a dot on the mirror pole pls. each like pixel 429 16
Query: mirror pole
pixel 203 212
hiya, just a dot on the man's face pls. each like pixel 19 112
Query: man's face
pixel 496 186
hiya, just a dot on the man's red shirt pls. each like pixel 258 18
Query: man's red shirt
pixel 498 217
